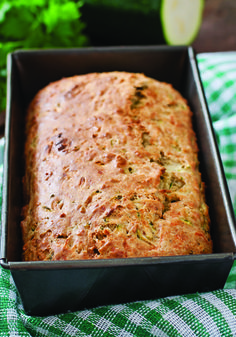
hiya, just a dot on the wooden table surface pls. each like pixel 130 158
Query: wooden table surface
pixel 218 29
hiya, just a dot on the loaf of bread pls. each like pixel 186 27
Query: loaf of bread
pixel 112 171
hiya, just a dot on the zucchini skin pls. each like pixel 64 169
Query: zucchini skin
pixel 122 22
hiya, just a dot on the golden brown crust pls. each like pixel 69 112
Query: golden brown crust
pixel 112 171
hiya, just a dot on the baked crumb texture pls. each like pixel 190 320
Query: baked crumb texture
pixel 112 171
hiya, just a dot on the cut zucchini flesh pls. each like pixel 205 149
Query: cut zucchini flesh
pixel 181 20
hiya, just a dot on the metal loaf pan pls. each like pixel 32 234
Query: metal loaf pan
pixel 55 287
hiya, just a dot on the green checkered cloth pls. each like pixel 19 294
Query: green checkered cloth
pixel 206 314
pixel 218 73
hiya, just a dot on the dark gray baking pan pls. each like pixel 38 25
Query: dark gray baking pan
pixel 55 287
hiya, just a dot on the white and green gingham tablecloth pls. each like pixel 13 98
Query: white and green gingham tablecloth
pixel 206 314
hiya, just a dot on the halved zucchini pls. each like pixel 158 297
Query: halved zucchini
pixel 181 20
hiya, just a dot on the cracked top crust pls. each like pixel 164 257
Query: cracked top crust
pixel 112 171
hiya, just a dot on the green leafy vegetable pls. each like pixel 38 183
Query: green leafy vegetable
pixel 26 24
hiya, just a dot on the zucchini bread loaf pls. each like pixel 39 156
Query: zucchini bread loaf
pixel 112 171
